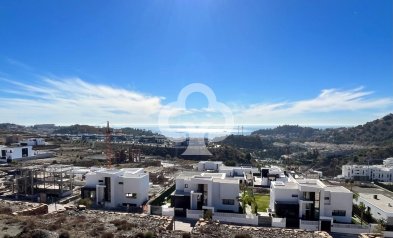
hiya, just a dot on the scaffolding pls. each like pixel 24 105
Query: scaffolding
pixel 44 180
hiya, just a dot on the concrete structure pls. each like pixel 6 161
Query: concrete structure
pixel 379 206
pixel 243 173
pixel 10 153
pixel 212 166
pixel 310 199
pixel 114 188
pixel 44 181
pixel 270 174
pixel 383 173
pixel 32 142
pixel 214 191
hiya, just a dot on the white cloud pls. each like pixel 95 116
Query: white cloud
pixel 328 101
pixel 71 100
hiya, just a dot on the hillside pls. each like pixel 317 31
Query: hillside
pixel 86 129
pixel 289 131
pixel 377 132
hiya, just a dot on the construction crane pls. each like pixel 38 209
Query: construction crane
pixel 108 145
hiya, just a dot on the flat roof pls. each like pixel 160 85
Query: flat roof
pixel 282 185
pixel 382 202
pixel 214 162
pixel 340 189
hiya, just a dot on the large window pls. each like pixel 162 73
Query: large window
pixel 130 195
pixel 228 201
pixel 339 213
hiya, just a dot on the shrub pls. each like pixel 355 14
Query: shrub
pixel 140 235
pixel 186 235
pixel 149 234
pixel 54 226
pixel 5 210
pixel 123 225
pixel 85 201
pixel 64 234
pixel 243 236
pixel 107 235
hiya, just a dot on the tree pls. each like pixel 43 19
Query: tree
pixel 356 196
pixel 362 209
pixel 382 224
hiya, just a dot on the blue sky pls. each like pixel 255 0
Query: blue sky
pixel 271 62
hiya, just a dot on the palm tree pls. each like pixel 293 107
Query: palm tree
pixel 362 209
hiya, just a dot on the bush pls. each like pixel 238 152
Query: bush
pixel 123 225
pixel 186 235
pixel 85 201
pixel 5 210
pixel 107 235
pixel 149 234
pixel 54 226
pixel 243 236
pixel 64 234
pixel 140 235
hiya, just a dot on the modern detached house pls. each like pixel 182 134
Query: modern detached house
pixel 114 188
pixel 213 191
pixel 312 200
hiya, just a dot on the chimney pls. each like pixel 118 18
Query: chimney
pixel 376 196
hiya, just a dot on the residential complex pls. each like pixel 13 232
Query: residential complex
pixel 383 173
pixel 117 187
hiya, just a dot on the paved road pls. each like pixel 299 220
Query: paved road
pixel 341 235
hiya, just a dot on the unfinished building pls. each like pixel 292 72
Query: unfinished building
pixel 44 181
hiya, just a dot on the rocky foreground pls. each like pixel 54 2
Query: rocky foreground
pixel 113 224
pixel 207 229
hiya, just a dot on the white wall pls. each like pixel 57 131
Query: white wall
pixel 338 201
pixel 283 195
pixel 15 153
pixel 138 184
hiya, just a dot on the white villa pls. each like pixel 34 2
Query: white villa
pixel 10 153
pixel 310 199
pixel 214 191
pixel 117 187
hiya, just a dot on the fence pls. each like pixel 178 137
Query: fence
pixel 309 225
pixel 168 211
pixel 279 222
pixel 248 219
pixel 351 228
pixel 194 214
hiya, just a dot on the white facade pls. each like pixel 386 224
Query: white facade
pixel 382 173
pixel 33 141
pixel 114 188
pixel 273 173
pixel 312 199
pixel 7 154
pixel 380 206
pixel 209 165
pixel 209 191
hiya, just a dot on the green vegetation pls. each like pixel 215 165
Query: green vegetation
pixel 81 129
pixel 377 132
pixel 262 202
pixel 85 201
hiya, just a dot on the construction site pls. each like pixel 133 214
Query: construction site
pixel 42 182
